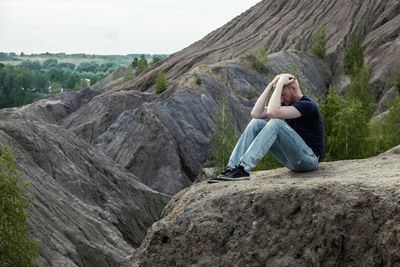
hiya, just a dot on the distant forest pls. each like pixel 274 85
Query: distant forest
pixel 27 78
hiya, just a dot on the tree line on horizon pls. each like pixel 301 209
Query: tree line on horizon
pixel 33 80
pixel 119 59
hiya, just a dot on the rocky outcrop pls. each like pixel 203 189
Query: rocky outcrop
pixel 344 213
pixel 57 107
pixel 87 211
pixel 94 118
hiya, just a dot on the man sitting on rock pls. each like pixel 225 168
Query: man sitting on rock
pixel 297 143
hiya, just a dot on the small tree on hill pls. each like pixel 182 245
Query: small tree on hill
pixel 330 106
pixel 134 62
pixel 161 82
pixel 346 127
pixel 141 65
pixel 354 56
pixel 223 139
pixel 360 89
pixel 318 43
pixel 15 248
pixel 349 132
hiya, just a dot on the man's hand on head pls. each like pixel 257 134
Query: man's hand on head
pixel 273 83
pixel 285 79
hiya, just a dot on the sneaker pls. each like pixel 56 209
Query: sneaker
pixel 237 174
pixel 227 171
pixel 217 179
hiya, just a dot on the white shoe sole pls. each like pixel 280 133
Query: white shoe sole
pixel 234 179
pixel 215 180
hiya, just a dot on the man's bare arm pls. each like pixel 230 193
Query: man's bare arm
pixel 259 110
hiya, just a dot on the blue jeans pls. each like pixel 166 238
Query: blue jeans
pixel 280 139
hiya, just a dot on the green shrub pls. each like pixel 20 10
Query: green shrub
pixel 161 82
pixel 199 80
pixel 261 58
pixel 15 248
pixel 318 43
pixel 251 94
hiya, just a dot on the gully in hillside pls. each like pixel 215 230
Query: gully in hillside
pixel 297 143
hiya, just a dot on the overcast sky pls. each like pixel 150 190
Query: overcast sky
pixel 113 26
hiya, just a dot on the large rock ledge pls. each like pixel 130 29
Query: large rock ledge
pixel 345 213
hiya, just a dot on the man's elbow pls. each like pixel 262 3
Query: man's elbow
pixel 255 115
pixel 271 114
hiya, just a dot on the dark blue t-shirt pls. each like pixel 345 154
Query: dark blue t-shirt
pixel 309 125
